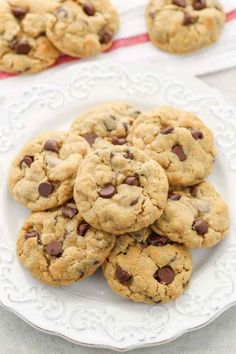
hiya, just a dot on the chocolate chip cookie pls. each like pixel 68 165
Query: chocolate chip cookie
pixel 119 189
pixel 82 28
pixel 58 247
pixel 152 271
pixel 106 124
pixel 43 173
pixel 195 216
pixel 24 47
pixel 179 141
pixel 182 26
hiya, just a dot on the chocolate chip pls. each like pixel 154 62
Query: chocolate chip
pixel 21 48
pixel 177 150
pixel 188 19
pixel 118 141
pixel 54 248
pixel 193 190
pixel 165 275
pixel 19 12
pixel 199 5
pixel 196 134
pixel 122 276
pixel 28 160
pixel 51 145
pixel 181 3
pixel 89 9
pixel 174 196
pixel 134 202
pixel 157 240
pixel 200 226
pixel 61 13
pixel 83 228
pixel 105 36
pixel 68 211
pixel 90 137
pixel 45 189
pixel 132 181
pixel 107 191
pixel 30 234
pixel 167 130
pixel 125 125
pixel 129 155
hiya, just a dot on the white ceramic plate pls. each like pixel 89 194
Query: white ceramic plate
pixel 88 313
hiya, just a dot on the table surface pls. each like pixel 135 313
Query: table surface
pixel 16 337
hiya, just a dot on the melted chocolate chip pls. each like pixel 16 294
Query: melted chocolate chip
pixel 178 150
pixel 45 189
pixel 51 145
pixel 19 12
pixel 107 191
pixel 174 196
pixel 21 48
pixel 199 5
pixel 68 211
pixel 122 276
pixel 129 155
pixel 193 190
pixel 28 160
pixel 181 3
pixel 167 131
pixel 134 202
pixel 188 19
pixel 196 134
pixel 165 275
pixel 118 141
pixel 157 240
pixel 132 181
pixel 83 228
pixel 200 226
pixel 54 248
pixel 88 8
pixel 105 36
pixel 90 137
pixel 30 234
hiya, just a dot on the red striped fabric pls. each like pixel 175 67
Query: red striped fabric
pixel 119 43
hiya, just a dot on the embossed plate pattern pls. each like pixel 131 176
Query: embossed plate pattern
pixel 88 313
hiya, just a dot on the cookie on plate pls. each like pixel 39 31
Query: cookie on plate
pixel 106 124
pixel 82 28
pixel 179 141
pixel 43 173
pixel 148 269
pixel 59 248
pixel 195 216
pixel 119 189
pixel 183 26
pixel 24 47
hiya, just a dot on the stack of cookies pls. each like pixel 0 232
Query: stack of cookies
pixel 124 190
pixel 34 33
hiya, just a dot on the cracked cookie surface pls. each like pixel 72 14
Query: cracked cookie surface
pixel 195 216
pixel 119 189
pixel 106 124
pixel 43 173
pixel 148 268
pixel 182 26
pixel 82 28
pixel 24 47
pixel 59 248
pixel 179 141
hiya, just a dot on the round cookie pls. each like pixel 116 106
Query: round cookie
pixel 119 189
pixel 43 173
pixel 151 271
pixel 183 26
pixel 179 141
pixel 24 47
pixel 106 124
pixel 195 216
pixel 82 28
pixel 59 248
